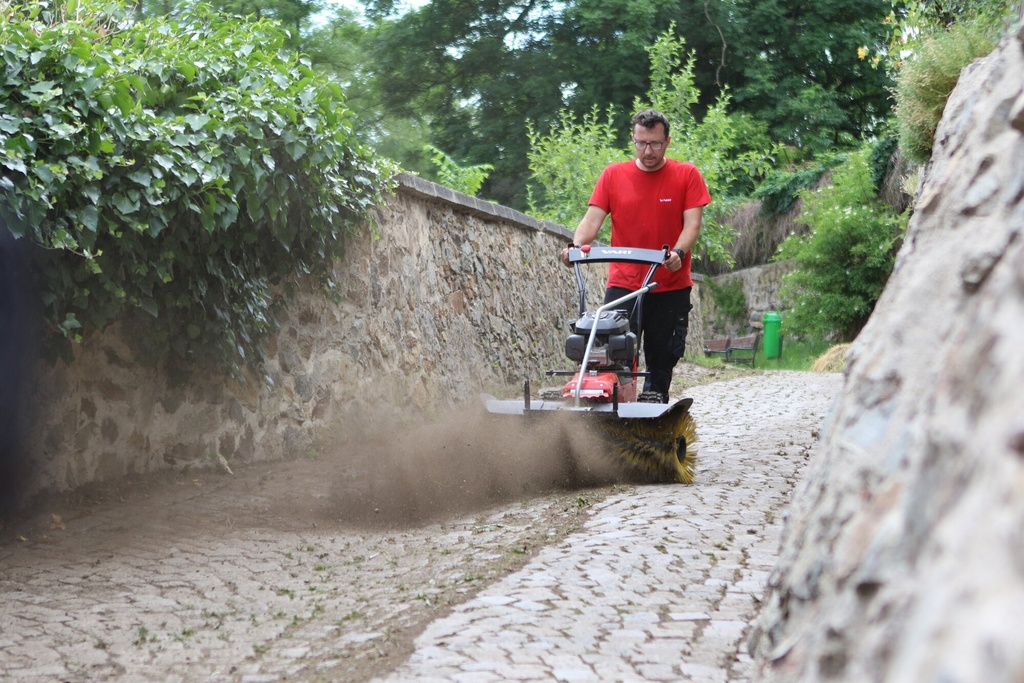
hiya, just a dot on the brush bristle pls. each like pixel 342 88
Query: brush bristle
pixel 662 449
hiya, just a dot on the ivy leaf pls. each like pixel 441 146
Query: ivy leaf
pixel 125 205
pixel 91 192
pixel 164 161
pixel 89 216
pixel 197 121
pixel 150 306
pixel 143 177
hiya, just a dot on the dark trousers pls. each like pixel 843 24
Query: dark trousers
pixel 664 322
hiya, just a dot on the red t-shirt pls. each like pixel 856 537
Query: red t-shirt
pixel 646 209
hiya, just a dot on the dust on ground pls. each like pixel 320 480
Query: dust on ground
pixel 689 374
pixel 189 575
pixel 186 575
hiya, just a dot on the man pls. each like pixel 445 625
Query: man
pixel 652 201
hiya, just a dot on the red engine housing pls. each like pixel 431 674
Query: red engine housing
pixel 599 386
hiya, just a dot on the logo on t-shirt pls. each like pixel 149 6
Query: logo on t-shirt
pixel 665 199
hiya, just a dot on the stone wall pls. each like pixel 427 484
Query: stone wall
pixel 903 556
pixel 453 296
pixel 761 286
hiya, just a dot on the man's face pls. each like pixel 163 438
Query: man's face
pixel 650 159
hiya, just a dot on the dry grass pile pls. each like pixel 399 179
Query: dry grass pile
pixel 833 360
pixel 757 236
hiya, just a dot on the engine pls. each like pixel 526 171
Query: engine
pixel 614 343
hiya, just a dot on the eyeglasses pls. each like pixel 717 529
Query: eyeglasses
pixel 655 146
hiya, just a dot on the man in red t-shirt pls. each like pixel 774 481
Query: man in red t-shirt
pixel 652 201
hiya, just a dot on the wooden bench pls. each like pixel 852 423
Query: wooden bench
pixel 716 347
pixel 743 349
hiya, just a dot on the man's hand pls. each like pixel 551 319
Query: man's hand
pixel 674 261
pixel 586 231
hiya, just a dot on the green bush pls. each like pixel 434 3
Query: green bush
pixel 881 157
pixel 178 172
pixel 842 264
pixel 780 189
pixel 464 179
pixel 924 83
pixel 730 299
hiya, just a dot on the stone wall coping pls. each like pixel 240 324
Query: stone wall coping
pixel 425 189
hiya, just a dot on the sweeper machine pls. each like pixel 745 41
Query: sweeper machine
pixel 653 440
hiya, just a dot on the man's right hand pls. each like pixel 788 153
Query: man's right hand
pixel 565 256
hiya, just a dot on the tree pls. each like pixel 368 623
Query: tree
pixel 338 45
pixel 796 65
pixel 482 69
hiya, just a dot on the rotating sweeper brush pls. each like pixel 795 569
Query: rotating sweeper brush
pixel 655 441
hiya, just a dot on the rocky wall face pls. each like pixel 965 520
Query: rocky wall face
pixel 447 300
pixel 903 557
pixel 761 286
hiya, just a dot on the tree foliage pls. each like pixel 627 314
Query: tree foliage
pixel 567 160
pixel 180 171
pixel 480 71
pixel 843 263
pixel 781 188
pixel 795 65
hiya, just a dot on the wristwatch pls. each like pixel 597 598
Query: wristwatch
pixel 680 252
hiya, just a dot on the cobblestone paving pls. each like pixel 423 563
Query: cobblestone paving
pixel 661 584
pixel 649 583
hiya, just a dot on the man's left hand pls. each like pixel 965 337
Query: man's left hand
pixel 674 261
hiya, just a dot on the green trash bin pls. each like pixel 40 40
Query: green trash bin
pixel 772 338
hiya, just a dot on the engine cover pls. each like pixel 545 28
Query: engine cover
pixel 610 322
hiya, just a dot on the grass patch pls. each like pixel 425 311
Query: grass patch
pixel 796 355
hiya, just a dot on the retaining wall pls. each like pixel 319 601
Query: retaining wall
pixel 760 285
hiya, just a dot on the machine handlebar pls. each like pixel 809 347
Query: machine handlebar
pixel 591 254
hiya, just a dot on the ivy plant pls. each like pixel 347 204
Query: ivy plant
pixel 731 301
pixel 781 188
pixel 179 173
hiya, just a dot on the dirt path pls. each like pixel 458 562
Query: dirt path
pixel 314 569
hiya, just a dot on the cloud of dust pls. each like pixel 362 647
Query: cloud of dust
pixel 468 460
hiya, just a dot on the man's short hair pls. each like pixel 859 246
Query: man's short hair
pixel 649 118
